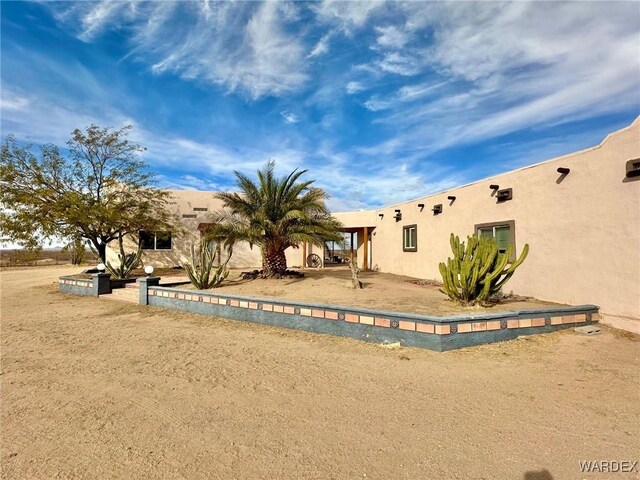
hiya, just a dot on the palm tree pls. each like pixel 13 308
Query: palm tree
pixel 275 214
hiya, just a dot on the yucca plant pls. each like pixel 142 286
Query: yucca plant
pixel 126 262
pixel 201 265
pixel 477 271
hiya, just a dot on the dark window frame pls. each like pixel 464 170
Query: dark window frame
pixel 506 223
pixel 406 228
pixel 155 240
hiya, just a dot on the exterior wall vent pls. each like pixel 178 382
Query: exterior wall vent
pixel 504 195
pixel 633 168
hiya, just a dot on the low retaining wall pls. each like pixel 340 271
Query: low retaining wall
pixel 379 326
pixel 98 284
pixel 435 333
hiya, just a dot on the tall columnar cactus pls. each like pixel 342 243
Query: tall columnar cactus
pixel 201 265
pixel 126 262
pixel 477 271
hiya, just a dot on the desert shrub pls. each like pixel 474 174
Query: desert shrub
pixel 355 272
pixel 28 255
pixel 76 250
pixel 477 270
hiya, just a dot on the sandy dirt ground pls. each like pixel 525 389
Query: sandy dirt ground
pixel 381 291
pixel 93 388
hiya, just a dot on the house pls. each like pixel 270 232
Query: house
pixel 165 249
pixel 579 213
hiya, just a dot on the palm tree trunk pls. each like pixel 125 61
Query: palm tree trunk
pixel 274 262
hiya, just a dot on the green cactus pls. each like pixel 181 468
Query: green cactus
pixel 477 270
pixel 201 265
pixel 126 262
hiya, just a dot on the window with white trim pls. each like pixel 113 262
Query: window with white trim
pixel 410 238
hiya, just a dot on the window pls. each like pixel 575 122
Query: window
pixel 200 209
pixel 189 215
pixel 410 238
pixel 502 232
pixel 155 240
pixel 163 240
pixel 147 240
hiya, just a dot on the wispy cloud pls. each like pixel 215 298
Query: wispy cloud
pixel 290 117
pixel 354 87
pixel 392 36
pixel 11 99
pixel 234 45
pixel 505 67
pixel 347 16
pixel 321 47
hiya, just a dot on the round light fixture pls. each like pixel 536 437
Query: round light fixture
pixel 101 267
pixel 148 269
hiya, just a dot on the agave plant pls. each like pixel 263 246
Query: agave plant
pixel 126 262
pixel 201 271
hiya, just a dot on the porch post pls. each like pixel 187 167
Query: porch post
pixel 304 255
pixel 351 244
pixel 365 249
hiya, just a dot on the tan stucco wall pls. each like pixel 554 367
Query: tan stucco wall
pixel 296 256
pixel 183 202
pixel 583 233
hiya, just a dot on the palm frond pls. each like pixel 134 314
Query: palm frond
pixel 274 213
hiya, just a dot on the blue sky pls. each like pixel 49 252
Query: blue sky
pixel 382 102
